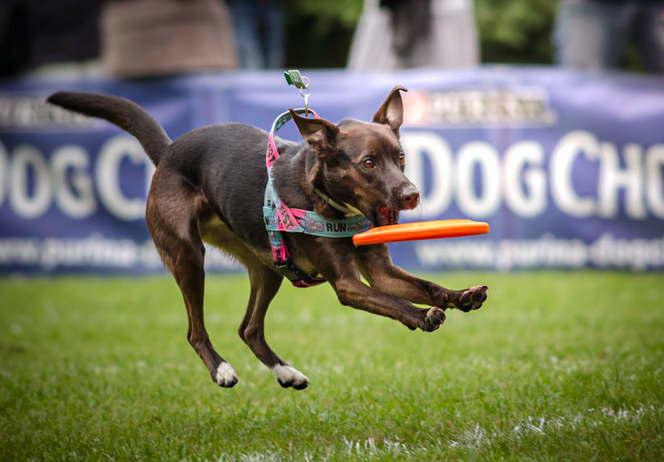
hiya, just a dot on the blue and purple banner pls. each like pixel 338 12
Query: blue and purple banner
pixel 567 168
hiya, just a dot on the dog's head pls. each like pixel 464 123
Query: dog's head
pixel 362 164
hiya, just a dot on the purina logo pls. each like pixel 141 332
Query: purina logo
pixel 478 106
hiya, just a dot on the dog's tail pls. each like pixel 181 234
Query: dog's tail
pixel 121 112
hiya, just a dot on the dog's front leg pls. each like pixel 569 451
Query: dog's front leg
pixel 337 264
pixel 376 266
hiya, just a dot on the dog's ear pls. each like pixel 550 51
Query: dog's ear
pixel 319 133
pixel 391 111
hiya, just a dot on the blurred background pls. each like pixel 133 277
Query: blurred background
pixel 543 118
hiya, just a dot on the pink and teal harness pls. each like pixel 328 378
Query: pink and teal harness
pixel 280 218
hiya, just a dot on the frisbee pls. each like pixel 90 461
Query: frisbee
pixel 421 230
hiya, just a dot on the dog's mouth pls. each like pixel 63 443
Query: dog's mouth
pixel 385 216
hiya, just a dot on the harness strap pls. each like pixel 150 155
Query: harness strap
pixel 279 218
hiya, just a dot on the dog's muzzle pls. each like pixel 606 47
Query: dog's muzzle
pixel 409 197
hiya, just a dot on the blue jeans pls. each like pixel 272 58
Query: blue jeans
pixel 591 34
pixel 259 33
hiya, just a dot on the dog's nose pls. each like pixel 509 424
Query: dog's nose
pixel 410 197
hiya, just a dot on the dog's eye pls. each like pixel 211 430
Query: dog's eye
pixel 402 159
pixel 368 163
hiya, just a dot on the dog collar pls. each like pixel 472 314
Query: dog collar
pixel 280 218
pixel 346 209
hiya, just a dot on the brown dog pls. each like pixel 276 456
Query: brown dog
pixel 209 185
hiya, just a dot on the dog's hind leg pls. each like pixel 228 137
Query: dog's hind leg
pixel 265 284
pixel 172 221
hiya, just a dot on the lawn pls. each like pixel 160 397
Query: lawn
pixel 555 366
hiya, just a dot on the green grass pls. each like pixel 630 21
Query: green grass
pixel 555 366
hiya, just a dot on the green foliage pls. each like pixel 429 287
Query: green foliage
pixel 554 367
pixel 325 14
pixel 320 32
pixel 516 31
pixel 511 31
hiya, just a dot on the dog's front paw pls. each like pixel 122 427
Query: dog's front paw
pixel 469 299
pixel 425 320
pixel 433 319
pixel 225 375
pixel 290 377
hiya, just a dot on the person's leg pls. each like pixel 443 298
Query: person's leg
pixel 272 37
pixel 245 28
pixel 371 48
pixel 452 40
pixel 648 29
pixel 590 34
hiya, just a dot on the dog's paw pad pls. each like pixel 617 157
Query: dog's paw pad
pixel 472 298
pixel 290 377
pixel 435 317
pixel 225 375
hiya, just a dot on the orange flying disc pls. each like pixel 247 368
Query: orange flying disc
pixel 422 230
